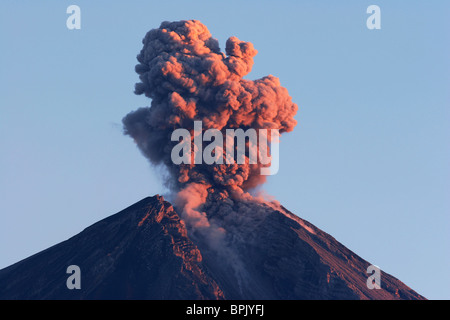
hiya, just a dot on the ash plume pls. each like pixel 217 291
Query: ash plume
pixel 186 76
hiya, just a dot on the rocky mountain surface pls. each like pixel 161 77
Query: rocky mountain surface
pixel 146 252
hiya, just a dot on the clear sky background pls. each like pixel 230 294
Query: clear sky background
pixel 368 162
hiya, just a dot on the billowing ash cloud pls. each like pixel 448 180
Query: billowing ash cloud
pixel 187 77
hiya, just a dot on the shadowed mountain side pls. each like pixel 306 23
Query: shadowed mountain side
pixel 142 252
pixel 278 255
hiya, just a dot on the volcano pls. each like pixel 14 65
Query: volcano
pixel 146 252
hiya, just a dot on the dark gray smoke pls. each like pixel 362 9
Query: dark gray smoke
pixel 187 77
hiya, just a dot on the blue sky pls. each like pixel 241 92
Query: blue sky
pixel 368 162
